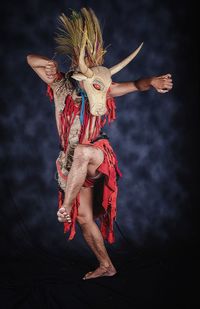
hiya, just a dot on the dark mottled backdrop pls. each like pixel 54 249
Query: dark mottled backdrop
pixel 154 136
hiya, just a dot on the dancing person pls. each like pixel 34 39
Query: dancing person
pixel 87 166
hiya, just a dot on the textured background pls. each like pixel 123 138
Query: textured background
pixel 154 135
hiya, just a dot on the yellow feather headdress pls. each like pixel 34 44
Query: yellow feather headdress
pixel 69 37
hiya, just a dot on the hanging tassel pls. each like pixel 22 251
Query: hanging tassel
pixel 49 93
pixel 82 112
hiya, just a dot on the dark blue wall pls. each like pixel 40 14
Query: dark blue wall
pixel 154 135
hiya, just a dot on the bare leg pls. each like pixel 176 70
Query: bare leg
pixel 93 236
pixel 86 160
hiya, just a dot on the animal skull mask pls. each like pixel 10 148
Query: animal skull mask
pixel 97 80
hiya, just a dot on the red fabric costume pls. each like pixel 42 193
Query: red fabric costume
pixel 105 188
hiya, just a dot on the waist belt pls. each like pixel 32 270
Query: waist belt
pixel 102 135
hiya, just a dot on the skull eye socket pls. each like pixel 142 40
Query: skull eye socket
pixel 97 86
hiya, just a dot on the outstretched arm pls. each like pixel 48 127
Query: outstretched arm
pixel 161 83
pixel 45 68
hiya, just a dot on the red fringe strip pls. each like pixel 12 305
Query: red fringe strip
pixel 49 93
pixel 71 110
pixel 109 167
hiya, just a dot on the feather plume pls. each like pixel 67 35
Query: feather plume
pixel 70 33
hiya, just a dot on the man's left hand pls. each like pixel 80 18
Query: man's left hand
pixel 162 83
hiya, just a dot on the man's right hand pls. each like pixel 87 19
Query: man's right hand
pixel 45 68
pixel 51 69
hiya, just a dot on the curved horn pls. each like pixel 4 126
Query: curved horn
pixel 82 65
pixel 118 67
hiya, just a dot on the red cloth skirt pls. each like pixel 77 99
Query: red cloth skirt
pixel 105 193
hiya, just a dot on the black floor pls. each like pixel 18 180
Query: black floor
pixel 144 280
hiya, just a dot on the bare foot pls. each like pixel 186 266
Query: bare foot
pixel 64 215
pixel 101 271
